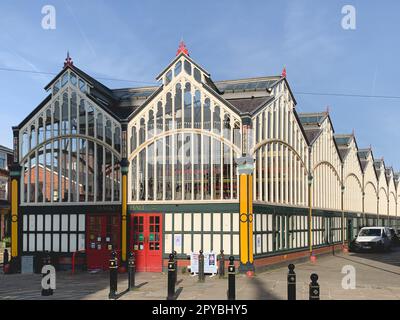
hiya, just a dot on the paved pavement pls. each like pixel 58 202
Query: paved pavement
pixel 377 278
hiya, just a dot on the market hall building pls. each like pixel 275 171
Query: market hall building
pixel 155 169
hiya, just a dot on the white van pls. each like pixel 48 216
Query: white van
pixel 373 238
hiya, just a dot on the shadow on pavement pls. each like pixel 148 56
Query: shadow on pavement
pixel 261 292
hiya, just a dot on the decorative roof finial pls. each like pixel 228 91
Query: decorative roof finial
pixel 284 72
pixel 353 132
pixel 182 48
pixel 328 109
pixel 68 60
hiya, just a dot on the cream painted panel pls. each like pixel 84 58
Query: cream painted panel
pixel 226 222
pixel 236 244
pixel 168 223
pixel 167 243
pixel 178 222
pixel 206 242
pixel 217 243
pixel 227 243
pixel 196 242
pixel 206 222
pixel 187 222
pixel 235 226
pixel 217 222
pixel 187 245
pixel 197 222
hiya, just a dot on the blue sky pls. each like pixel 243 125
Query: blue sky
pixel 135 40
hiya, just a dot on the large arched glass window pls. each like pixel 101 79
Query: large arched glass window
pixel 65 163
pixel 133 139
pixel 142 131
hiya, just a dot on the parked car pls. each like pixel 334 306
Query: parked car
pixel 395 236
pixel 372 239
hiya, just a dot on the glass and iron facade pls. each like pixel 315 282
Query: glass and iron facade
pixel 178 144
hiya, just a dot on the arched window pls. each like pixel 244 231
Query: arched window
pixel 160 119
pixel 150 124
pixel 168 112
pixel 108 132
pixel 197 109
pixel 197 74
pixel 33 137
pixel 207 115
pixel 48 124
pixel 227 127
pixel 64 116
pixel 133 139
pixel 25 143
pixel 82 117
pixel 178 68
pixel 142 131
pixel 40 131
pixel 178 106
pixel 188 67
pixel 90 116
pixel 217 120
pixel 56 119
pixel 117 139
pixel 188 106
pixel 237 137
pixel 74 116
pixel 100 126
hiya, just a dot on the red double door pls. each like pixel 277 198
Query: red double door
pixel 146 241
pixel 102 236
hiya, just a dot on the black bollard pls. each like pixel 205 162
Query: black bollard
pixel 113 266
pixel 314 287
pixel 291 283
pixel 176 266
pixel 221 266
pixel 5 257
pixel 131 271
pixel 46 261
pixel 171 278
pixel 201 266
pixel 231 279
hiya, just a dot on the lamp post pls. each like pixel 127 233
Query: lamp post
pixel 310 179
pixel 245 171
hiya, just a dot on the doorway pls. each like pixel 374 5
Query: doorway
pixel 146 241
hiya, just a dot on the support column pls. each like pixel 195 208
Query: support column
pixel 15 175
pixel 124 195
pixel 245 170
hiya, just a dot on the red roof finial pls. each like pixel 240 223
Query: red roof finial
pixel 68 60
pixel 284 72
pixel 182 48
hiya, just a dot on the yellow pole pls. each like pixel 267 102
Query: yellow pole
pixel 250 217
pixel 310 217
pixel 243 193
pixel 14 218
pixel 124 214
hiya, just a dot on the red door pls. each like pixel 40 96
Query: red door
pixel 102 235
pixel 146 241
